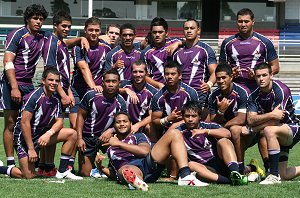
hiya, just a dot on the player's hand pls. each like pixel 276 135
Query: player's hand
pixel 16 96
pixel 119 64
pixel 65 101
pixel 250 73
pixel 236 72
pixel 204 87
pixel 196 132
pixel 113 141
pixel 171 48
pixel 105 136
pixel 72 100
pixel 223 104
pixel 132 95
pixel 175 116
pixel 44 139
pixel 81 146
pixel 32 156
pixel 135 128
pixel 98 88
pixel 99 158
pixel 84 44
pixel 278 113
pixel 244 131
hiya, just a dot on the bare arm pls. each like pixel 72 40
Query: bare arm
pixel 86 73
pixel 26 129
pixel 76 41
pixel 275 66
pixel 216 133
pixel 154 83
pixel 81 115
pixel 239 119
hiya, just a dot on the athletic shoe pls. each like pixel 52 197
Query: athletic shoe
pixel 271 179
pixel 191 180
pixel 237 179
pixel 39 172
pixel 95 173
pixel 259 170
pixel 67 175
pixel 1 163
pixel 254 177
pixel 51 173
pixel 131 178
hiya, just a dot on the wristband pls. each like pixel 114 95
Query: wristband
pixel 164 121
pixel 220 112
pixel 210 84
pixel 51 131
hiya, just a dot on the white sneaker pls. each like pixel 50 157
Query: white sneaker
pixel 67 175
pixel 190 180
pixel 95 173
pixel 254 177
pixel 271 179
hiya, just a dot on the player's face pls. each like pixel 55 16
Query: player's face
pixel 245 24
pixel 159 34
pixel 92 32
pixel 263 78
pixel 113 33
pixel 127 37
pixel 191 119
pixel 35 23
pixel 62 30
pixel 138 73
pixel 122 124
pixel 172 76
pixel 191 31
pixel 51 82
pixel 111 83
pixel 223 80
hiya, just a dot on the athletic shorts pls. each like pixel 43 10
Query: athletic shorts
pixel 293 138
pixel 150 168
pixel 219 166
pixel 93 145
pixel 78 94
pixel 6 101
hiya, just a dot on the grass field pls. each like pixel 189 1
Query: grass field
pixel 104 188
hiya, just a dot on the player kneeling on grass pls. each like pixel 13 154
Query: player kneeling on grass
pixel 210 152
pixel 132 160
pixel 39 125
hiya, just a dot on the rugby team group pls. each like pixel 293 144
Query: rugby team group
pixel 148 105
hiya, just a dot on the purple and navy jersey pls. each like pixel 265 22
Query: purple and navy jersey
pixel 100 111
pixel 95 58
pixel 246 53
pixel 118 53
pixel 262 102
pixel 195 62
pixel 200 148
pixel 56 54
pixel 119 157
pixel 140 110
pixel 155 59
pixel 27 49
pixel 166 101
pixel 239 95
pixel 44 110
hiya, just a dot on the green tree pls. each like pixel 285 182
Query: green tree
pixel 59 5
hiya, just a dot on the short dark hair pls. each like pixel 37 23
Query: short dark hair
pixel 127 26
pixel 224 67
pixel 192 106
pixel 92 21
pixel 263 66
pixel 158 21
pixel 121 113
pixel 61 16
pixel 111 71
pixel 245 11
pixel 35 10
pixel 48 70
pixel 140 62
pixel 192 19
pixel 112 25
pixel 172 64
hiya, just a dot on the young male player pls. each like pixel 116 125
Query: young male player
pixel 133 161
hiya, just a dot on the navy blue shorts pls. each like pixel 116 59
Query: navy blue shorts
pixel 93 145
pixel 219 166
pixel 6 101
pixel 150 168
pixel 78 95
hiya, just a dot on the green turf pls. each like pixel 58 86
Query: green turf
pixel 105 188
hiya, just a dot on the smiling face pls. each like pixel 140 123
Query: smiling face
pixel 245 25
pixel 139 73
pixel 51 83
pixel 63 29
pixel 92 32
pixel 224 81
pixel 122 124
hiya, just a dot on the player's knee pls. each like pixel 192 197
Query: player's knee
pixel 72 135
pixel 235 132
pixel 268 132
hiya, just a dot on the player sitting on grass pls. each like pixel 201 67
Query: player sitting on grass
pixel 40 124
pixel 210 152
pixel 131 159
